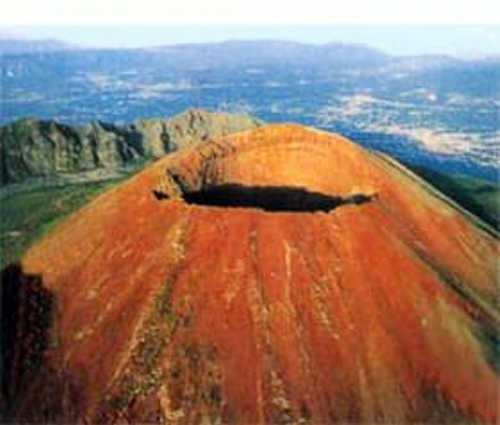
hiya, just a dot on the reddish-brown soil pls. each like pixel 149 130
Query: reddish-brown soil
pixel 377 311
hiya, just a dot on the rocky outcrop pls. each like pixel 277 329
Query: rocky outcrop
pixel 190 128
pixel 34 148
pixel 163 306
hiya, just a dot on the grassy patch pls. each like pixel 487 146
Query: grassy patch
pixel 29 215
pixel 480 197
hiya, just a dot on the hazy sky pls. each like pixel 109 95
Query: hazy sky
pixel 250 11
pixel 458 27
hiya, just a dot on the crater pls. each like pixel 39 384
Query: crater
pixel 268 198
pixel 276 174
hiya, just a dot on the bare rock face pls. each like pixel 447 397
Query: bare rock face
pixel 189 128
pixel 34 148
pixel 280 275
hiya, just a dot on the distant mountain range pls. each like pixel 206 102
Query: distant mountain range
pixel 228 53
pixel 264 49
pixel 267 52
pixel 239 51
pixel 11 45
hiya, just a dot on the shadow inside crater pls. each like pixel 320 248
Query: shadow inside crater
pixel 269 198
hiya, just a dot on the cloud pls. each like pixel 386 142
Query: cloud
pixel 434 139
pixel 361 107
pixel 104 82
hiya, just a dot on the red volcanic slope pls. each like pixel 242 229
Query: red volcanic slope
pixel 377 311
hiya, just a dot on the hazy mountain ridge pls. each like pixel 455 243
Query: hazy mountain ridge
pixel 256 51
pixel 257 48
pixel 15 46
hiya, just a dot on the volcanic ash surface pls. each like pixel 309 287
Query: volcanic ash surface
pixel 280 275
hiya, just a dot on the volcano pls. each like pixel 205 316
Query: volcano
pixel 278 275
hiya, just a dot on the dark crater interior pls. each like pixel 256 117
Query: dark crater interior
pixel 269 198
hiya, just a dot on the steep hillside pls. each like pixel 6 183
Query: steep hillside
pixel 478 196
pixel 31 148
pixel 280 275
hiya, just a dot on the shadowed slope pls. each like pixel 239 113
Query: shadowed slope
pixel 179 312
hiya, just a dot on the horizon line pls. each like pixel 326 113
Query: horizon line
pixel 459 41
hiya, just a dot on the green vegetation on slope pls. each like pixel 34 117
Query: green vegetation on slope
pixel 480 197
pixel 28 215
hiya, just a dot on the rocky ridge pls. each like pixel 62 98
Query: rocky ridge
pixel 32 148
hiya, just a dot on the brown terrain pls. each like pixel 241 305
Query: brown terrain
pixel 279 275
